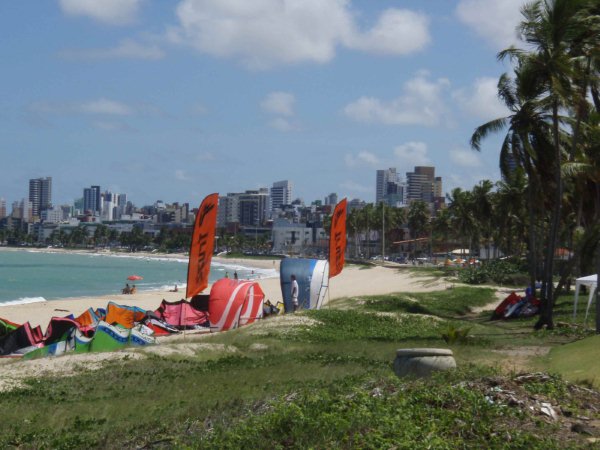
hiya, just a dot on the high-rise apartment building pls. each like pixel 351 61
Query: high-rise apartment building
pixel 253 207
pixel 92 201
pixel 389 188
pixel 40 195
pixel 331 199
pixel 2 208
pixel 281 194
pixel 423 185
pixel 228 211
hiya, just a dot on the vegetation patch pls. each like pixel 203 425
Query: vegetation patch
pixel 444 412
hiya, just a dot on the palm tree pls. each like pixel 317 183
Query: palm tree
pixel 418 220
pixel 353 224
pixel 509 213
pixel 461 216
pixel 441 229
pixel 482 208
pixel 368 223
pixel 544 86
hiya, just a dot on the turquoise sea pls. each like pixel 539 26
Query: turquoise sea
pixel 33 276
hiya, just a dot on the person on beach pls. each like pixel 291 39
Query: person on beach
pixel 235 275
pixel 175 289
pixel 294 293
pixel 226 274
pixel 126 289
pixel 133 289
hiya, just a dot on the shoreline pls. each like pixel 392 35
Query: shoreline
pixel 263 268
pixel 354 281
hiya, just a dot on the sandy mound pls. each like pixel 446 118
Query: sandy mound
pixel 12 373
pixel 188 349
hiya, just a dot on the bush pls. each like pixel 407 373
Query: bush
pixel 473 275
pixel 499 271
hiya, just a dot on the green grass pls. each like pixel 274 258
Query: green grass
pixel 329 385
pixel 576 361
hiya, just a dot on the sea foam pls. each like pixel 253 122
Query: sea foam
pixel 23 301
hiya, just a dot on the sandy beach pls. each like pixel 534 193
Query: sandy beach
pixel 353 281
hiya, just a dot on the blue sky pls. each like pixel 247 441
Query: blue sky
pixel 174 100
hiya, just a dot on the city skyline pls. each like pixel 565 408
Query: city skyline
pixel 152 99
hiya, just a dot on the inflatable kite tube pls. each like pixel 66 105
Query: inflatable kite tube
pixel 234 303
pixel 312 276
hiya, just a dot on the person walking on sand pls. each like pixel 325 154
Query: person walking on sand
pixel 294 293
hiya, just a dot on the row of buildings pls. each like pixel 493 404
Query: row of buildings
pixel 272 214
pixel 421 184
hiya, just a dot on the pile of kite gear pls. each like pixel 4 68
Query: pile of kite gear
pixel 231 303
pixel 515 306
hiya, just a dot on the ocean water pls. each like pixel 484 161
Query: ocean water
pixel 32 276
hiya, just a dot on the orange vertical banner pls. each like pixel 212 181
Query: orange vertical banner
pixel 202 246
pixel 337 239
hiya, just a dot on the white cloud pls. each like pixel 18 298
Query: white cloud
pixel 112 12
pixel 181 175
pixel 361 158
pixel 101 106
pixel 205 156
pixel 265 33
pixel 421 103
pixel 281 103
pixel 282 124
pixel 494 20
pixel 127 49
pixel 465 158
pixel 398 32
pixel 112 126
pixel 353 187
pixel 105 106
pixel 481 100
pixel 200 109
pixel 412 154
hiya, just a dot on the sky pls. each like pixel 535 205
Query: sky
pixel 176 99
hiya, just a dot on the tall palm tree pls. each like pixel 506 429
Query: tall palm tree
pixel 368 222
pixel 353 224
pixel 461 216
pixel 544 77
pixel 418 221
pixel 482 208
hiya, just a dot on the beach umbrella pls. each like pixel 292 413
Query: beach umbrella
pixel 134 277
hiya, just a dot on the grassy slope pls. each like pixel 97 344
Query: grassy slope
pixel 577 361
pixel 327 386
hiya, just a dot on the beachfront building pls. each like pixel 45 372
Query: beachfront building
pixel 22 210
pixel 228 210
pixel 109 206
pixel 281 194
pixel 250 208
pixel 299 238
pixel 253 207
pixel 2 208
pixel 92 201
pixel 52 215
pixel 356 203
pixel 423 185
pixel 331 199
pixel 165 213
pixel 389 188
pixel 40 195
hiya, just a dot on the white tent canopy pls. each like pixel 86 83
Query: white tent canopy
pixel 591 282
